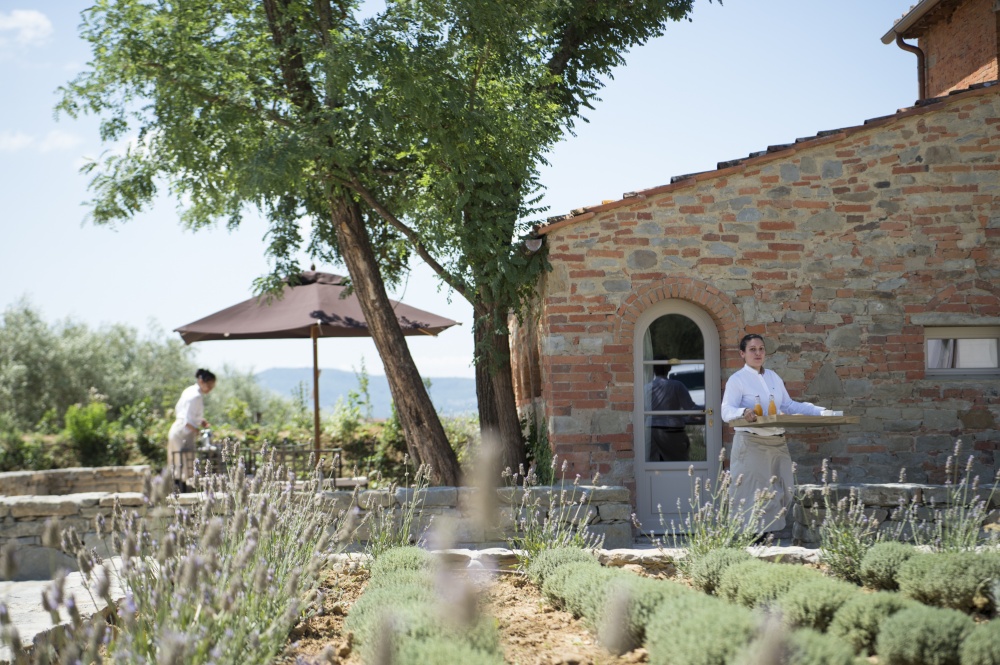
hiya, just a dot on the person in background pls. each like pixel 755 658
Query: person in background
pixel 668 439
pixel 760 453
pixel 189 419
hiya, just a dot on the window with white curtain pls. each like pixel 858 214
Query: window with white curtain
pixel 962 350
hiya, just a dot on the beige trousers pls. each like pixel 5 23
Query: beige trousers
pixel 755 462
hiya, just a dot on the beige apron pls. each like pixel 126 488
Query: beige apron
pixel 180 450
pixel 758 459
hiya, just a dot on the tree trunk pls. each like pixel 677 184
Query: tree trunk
pixel 495 389
pixel 422 428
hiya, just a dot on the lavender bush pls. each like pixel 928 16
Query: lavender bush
pixel 223 580
pixel 549 517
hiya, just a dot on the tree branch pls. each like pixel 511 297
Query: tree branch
pixel 291 62
pixel 458 285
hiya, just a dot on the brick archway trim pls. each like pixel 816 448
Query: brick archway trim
pixel 723 311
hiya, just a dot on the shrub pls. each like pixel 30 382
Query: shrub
pixel 778 645
pixel 705 572
pixel 581 588
pixel 859 620
pixel 880 565
pixel 813 603
pixel 21 453
pixel 807 647
pixel 695 629
pixel 956 580
pixel 846 532
pixel 549 560
pixel 629 606
pixel 923 636
pixel 443 650
pixel 549 517
pixel 97 441
pixel 402 558
pixel 756 582
pixel 982 646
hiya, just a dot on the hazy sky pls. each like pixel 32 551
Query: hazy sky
pixel 739 77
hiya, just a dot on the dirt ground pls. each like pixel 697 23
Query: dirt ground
pixel 531 631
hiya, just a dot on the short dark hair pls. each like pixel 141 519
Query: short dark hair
pixel 661 370
pixel 204 375
pixel 746 340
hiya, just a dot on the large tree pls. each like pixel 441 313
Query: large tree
pixel 419 129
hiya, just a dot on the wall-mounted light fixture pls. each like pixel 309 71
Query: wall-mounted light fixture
pixel 533 244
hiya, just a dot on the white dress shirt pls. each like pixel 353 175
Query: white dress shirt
pixel 191 407
pixel 747 384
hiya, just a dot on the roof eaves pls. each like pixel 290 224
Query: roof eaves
pixel 909 19
pixel 774 152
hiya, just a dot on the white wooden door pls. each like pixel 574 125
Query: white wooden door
pixel 682 336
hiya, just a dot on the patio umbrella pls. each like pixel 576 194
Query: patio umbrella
pixel 315 307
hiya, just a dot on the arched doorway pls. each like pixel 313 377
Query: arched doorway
pixel 674 339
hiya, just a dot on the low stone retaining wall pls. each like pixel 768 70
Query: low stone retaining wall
pixel 881 502
pixel 22 518
pixel 76 480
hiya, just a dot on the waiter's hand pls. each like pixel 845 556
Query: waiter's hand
pixel 204 424
pixel 749 415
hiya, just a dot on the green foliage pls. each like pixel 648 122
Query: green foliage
pixel 695 629
pixel 539 457
pixel 549 517
pixel 881 563
pixel 813 603
pixel 385 530
pixel 97 441
pixel 714 519
pixel 707 570
pixel 629 607
pixel 19 452
pixel 580 588
pixel 402 558
pixel 221 582
pixel 958 580
pixel 402 618
pixel 549 560
pixel 847 531
pixel 45 369
pixel 923 636
pixel 807 647
pixel 860 619
pixel 955 526
pixel 757 582
pixel 982 646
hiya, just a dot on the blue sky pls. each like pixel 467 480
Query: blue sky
pixel 739 77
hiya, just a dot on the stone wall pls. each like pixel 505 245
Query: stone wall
pixel 22 518
pixel 73 481
pixel 881 502
pixel 839 249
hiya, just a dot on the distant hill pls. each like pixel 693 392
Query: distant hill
pixel 452 396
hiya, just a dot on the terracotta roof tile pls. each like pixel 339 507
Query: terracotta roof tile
pixel 772 152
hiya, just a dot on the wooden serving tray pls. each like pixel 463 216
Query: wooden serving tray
pixel 797 421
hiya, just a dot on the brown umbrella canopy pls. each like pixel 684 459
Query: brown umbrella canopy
pixel 316 306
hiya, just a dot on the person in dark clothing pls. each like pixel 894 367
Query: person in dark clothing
pixel 669 441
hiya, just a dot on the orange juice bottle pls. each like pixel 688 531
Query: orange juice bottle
pixel 757 408
pixel 772 410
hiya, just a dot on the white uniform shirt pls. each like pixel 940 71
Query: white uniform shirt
pixel 747 384
pixel 191 406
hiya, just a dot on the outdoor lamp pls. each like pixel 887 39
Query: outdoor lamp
pixel 533 244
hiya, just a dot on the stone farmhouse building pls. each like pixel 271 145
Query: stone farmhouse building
pixel 867 256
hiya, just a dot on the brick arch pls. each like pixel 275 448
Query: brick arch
pixel 723 311
pixel 975 296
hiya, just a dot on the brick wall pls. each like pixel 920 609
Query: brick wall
pixel 839 251
pixel 961 48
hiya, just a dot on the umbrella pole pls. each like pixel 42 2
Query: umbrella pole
pixel 314 333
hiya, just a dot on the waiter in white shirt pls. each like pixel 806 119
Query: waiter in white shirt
pixel 189 419
pixel 760 453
